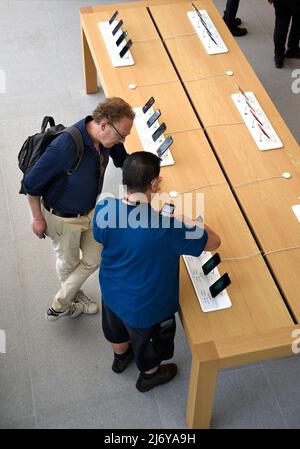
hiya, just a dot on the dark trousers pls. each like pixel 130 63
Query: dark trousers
pixel 285 11
pixel 230 12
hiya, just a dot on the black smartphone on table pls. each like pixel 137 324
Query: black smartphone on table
pixel 121 37
pixel 158 132
pixel 164 146
pixel 117 27
pixel 148 105
pixel 125 48
pixel 211 263
pixel 218 286
pixel 113 17
pixel 153 118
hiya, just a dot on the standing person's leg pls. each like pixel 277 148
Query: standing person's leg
pixel 116 333
pixel 70 237
pixel 230 12
pixel 88 262
pixel 282 22
pixel 231 20
pixel 293 50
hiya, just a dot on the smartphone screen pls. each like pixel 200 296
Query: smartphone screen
pixel 113 17
pixel 159 131
pixel 117 27
pixel 211 263
pixel 164 146
pixel 167 209
pixel 153 118
pixel 125 48
pixel 121 37
pixel 219 285
pixel 148 105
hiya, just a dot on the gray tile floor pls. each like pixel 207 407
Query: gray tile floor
pixel 57 375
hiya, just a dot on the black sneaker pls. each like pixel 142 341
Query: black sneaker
pixel 238 31
pixel 237 21
pixel 164 374
pixel 278 61
pixel 293 53
pixel 121 361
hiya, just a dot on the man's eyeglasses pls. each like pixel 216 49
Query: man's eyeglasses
pixel 122 138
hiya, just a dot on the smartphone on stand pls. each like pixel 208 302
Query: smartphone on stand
pixel 148 105
pixel 220 285
pixel 157 133
pixel 164 146
pixel 156 114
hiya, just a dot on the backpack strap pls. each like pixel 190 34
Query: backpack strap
pixel 77 137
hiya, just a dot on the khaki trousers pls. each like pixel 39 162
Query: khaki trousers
pixel 77 254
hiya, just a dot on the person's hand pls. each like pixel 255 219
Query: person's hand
pixel 39 227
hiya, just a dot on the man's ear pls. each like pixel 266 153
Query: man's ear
pixel 103 125
pixel 155 184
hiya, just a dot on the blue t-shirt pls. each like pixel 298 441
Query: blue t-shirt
pixel 79 193
pixel 139 273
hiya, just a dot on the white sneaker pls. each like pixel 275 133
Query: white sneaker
pixel 90 307
pixel 73 311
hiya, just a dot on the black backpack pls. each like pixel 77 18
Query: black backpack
pixel 34 146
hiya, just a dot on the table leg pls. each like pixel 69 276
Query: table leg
pixel 90 73
pixel 201 391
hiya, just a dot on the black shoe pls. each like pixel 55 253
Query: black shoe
pixel 278 61
pixel 237 31
pixel 121 361
pixel 164 374
pixel 293 53
pixel 237 21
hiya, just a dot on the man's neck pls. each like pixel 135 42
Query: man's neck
pixel 135 198
pixel 90 127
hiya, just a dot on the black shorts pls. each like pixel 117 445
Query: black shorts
pixel 150 345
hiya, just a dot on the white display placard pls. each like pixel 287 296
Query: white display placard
pixel 202 282
pixel 265 140
pixel 111 46
pixel 145 135
pixel 296 210
pixel 211 40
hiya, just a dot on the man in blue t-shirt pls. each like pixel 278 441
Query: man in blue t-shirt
pixel 139 274
pixel 64 212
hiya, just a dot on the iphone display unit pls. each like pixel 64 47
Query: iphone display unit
pixel 158 132
pixel 117 27
pixel 218 286
pixel 164 146
pixel 211 263
pixel 113 17
pixel 167 210
pixel 121 37
pixel 148 105
pixel 153 118
pixel 125 48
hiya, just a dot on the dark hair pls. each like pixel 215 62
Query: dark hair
pixel 139 170
pixel 113 109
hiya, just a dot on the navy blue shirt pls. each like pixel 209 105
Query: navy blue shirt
pixel 79 194
pixel 139 273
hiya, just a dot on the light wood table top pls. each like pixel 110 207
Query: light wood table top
pixel 266 203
